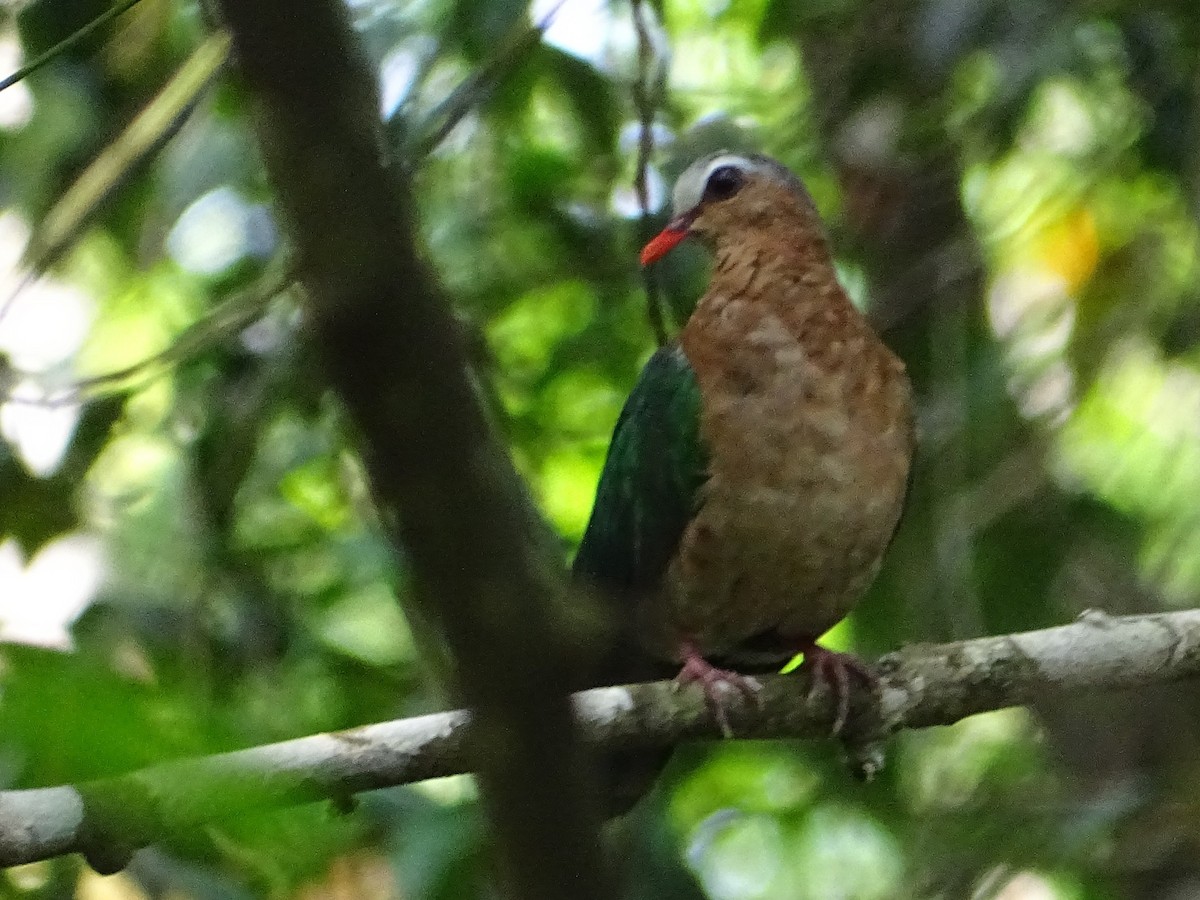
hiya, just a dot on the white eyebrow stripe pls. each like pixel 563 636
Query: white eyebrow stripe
pixel 690 186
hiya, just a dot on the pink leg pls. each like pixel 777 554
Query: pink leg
pixel 716 684
pixel 836 669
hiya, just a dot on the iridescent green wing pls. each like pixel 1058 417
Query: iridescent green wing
pixel 650 484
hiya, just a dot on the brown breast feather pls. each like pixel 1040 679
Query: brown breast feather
pixel 808 418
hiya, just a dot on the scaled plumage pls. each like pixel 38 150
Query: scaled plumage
pixel 760 466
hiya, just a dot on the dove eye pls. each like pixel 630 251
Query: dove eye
pixel 723 183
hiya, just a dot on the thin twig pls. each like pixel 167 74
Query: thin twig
pixel 142 137
pixel 647 93
pixel 67 43
pixel 148 131
pixel 446 116
pixel 229 317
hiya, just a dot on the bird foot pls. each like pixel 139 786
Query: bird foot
pixel 836 670
pixel 717 685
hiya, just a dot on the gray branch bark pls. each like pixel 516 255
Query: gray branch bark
pixel 920 686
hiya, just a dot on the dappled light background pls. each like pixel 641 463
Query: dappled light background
pixel 189 561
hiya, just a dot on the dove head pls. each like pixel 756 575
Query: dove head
pixel 724 196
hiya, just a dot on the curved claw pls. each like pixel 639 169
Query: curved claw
pixel 717 684
pixel 836 669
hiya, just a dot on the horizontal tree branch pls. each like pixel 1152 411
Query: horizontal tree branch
pixel 921 685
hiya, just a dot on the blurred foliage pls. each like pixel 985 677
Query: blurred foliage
pixel 188 557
